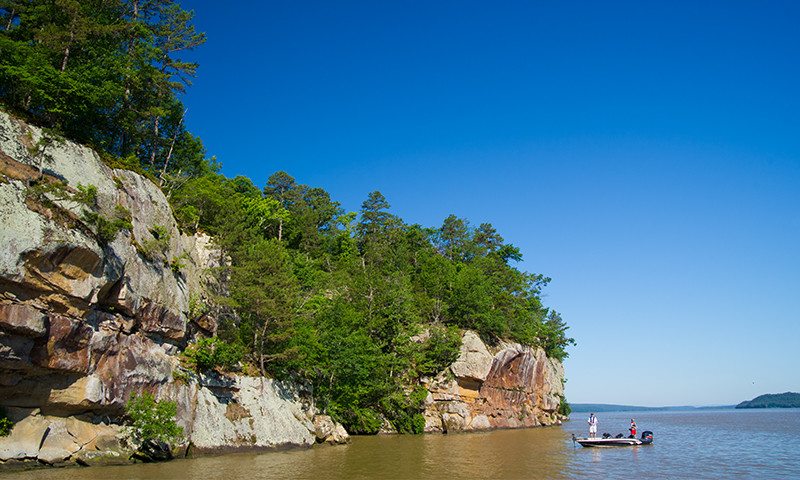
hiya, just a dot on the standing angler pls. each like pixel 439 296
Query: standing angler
pixel 592 426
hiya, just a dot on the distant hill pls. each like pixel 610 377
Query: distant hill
pixel 604 407
pixel 770 400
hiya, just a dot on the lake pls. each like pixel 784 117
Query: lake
pixel 713 444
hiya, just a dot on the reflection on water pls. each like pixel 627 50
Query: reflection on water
pixel 694 444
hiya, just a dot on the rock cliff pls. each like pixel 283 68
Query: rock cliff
pixel 88 318
pixel 505 386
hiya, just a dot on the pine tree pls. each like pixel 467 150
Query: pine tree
pixel 265 292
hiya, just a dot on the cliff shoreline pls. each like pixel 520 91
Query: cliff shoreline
pixel 87 321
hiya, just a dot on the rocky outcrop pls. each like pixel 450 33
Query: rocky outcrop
pixel 243 413
pixel 328 431
pixel 89 318
pixel 506 386
pixel 217 414
pixel 58 440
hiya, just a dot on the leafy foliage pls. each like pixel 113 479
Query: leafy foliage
pixel 439 351
pixel 265 294
pixel 5 423
pixel 152 420
pixel 105 229
pixel 108 228
pixel 360 303
pixel 210 353
pixel 403 409
pixel 104 73
pixel 564 407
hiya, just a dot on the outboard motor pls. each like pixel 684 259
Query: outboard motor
pixel 647 437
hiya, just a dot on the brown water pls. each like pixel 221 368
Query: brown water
pixel 716 444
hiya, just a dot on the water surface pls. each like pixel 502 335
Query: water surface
pixel 713 444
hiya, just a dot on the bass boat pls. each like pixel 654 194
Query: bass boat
pixel 619 441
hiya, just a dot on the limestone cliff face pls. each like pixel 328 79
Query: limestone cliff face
pixel 506 386
pixel 85 322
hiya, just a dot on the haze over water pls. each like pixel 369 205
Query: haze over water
pixel 718 444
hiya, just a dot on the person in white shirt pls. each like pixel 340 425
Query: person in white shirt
pixel 592 426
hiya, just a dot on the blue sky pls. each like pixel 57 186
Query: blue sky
pixel 644 155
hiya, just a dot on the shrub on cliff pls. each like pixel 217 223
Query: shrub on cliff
pixel 360 421
pixel 152 420
pixel 210 353
pixel 404 410
pixel 5 423
pixel 564 407
pixel 50 194
pixel 441 350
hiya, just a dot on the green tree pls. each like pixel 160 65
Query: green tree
pixel 49 64
pixel 10 11
pixel 198 202
pixel 266 296
pixel 375 221
pixel 434 281
pixel 486 239
pixel 313 214
pixel 350 370
pixel 552 335
pixel 210 353
pixel 439 351
pixel 104 73
pixel 173 34
pixel 473 305
pixel 282 187
pixel 152 420
pixel 454 238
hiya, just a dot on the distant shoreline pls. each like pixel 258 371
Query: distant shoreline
pixel 773 400
pixel 604 407
pixel 769 400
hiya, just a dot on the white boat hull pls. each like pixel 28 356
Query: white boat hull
pixel 647 439
pixel 609 442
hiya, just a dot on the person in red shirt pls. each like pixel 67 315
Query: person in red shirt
pixel 633 428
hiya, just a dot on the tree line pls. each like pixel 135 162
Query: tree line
pixel 362 304
pixel 106 73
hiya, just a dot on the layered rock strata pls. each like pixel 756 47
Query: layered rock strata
pixel 505 386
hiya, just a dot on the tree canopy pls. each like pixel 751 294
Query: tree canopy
pixel 107 73
pixel 361 303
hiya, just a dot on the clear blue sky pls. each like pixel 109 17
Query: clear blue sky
pixel 644 155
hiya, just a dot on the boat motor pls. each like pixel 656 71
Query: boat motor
pixel 647 436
